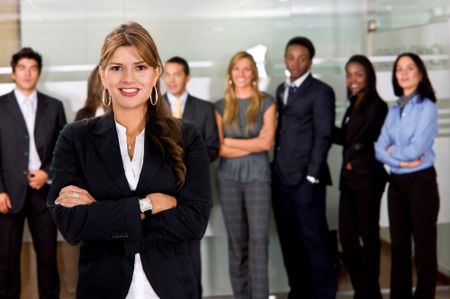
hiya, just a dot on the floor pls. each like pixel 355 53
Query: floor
pixel 67 260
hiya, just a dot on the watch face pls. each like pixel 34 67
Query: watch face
pixel 145 204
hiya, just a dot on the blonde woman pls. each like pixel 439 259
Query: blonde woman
pixel 246 124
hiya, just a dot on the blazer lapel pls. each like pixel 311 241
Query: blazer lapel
pixel 189 111
pixel 300 90
pixel 107 146
pixel 15 111
pixel 40 111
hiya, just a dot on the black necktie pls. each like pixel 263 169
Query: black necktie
pixel 291 90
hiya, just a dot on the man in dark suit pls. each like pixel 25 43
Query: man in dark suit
pixel 300 174
pixel 201 113
pixel 30 124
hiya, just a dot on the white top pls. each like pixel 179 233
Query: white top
pixel 28 106
pixel 140 287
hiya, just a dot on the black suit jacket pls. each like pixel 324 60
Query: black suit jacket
pixel 357 135
pixel 303 135
pixel 14 142
pixel 201 113
pixel 87 154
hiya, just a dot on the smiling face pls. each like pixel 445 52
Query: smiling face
pixel 129 79
pixel 26 75
pixel 242 73
pixel 407 74
pixel 355 78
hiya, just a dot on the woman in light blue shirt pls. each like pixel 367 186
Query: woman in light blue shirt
pixel 405 145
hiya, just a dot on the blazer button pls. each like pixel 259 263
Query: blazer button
pixel 26 136
pixel 26 154
pixel 25 172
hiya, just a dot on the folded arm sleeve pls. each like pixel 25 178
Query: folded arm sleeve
pixel 103 220
pixel 189 219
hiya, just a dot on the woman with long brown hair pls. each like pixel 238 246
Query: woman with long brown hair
pixel 132 186
pixel 246 124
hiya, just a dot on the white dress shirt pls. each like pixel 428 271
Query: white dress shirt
pixel 140 287
pixel 295 84
pixel 171 98
pixel 28 106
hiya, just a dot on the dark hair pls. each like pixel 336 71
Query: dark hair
pixel 164 129
pixel 425 89
pixel 370 89
pixel 301 41
pixel 182 61
pixel 26 53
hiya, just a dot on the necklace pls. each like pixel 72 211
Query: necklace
pixel 130 146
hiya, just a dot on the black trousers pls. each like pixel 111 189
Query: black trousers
pixel 413 205
pixel 303 232
pixel 359 232
pixel 43 232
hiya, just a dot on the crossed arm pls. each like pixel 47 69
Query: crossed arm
pixel 236 147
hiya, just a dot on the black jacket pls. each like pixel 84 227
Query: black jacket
pixel 111 232
pixel 358 133
pixel 14 142
pixel 303 135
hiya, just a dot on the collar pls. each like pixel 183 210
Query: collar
pixel 297 82
pixel 413 99
pixel 122 131
pixel 21 97
pixel 171 98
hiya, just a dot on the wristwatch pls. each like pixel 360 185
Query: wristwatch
pixel 145 204
pixel 312 179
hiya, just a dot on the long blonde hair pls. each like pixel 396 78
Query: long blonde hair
pixel 230 114
pixel 164 129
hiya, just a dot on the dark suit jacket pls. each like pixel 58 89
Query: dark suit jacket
pixel 87 154
pixel 14 144
pixel 303 135
pixel 358 133
pixel 201 113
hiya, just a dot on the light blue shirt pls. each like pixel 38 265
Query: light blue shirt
pixel 411 135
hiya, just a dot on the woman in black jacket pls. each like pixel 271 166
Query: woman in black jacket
pixel 363 178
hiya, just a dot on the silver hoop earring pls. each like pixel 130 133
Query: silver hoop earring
pixel 156 97
pixel 106 99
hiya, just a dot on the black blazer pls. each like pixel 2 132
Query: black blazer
pixel 303 135
pixel 14 144
pixel 201 113
pixel 87 154
pixel 357 135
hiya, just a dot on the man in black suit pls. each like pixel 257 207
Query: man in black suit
pixel 201 113
pixel 30 124
pixel 300 174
